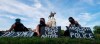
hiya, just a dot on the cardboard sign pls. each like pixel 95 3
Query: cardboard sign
pixel 53 32
pixel 80 32
pixel 1 33
pixel 18 34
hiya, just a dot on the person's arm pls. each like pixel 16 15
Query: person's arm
pixel 12 27
pixel 37 30
pixel 78 24
pixel 34 30
pixel 69 25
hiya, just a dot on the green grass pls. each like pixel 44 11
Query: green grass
pixel 61 40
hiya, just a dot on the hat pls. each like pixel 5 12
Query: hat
pixel 17 20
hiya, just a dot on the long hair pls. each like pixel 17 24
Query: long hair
pixel 42 21
pixel 71 19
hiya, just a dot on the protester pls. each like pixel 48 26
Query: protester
pixel 38 28
pixel 73 23
pixel 18 26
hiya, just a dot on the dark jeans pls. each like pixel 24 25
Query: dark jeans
pixel 66 33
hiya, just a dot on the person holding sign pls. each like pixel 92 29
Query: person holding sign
pixel 74 30
pixel 38 28
pixel 73 23
pixel 18 26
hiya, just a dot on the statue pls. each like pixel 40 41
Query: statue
pixel 52 14
pixel 52 21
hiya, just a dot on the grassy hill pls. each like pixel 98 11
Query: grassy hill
pixel 61 40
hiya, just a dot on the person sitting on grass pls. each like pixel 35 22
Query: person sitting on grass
pixel 18 26
pixel 73 23
pixel 38 28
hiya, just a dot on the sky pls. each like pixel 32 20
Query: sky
pixel 86 12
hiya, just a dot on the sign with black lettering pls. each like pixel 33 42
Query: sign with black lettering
pixel 50 32
pixel 80 32
pixel 18 34
pixel 1 33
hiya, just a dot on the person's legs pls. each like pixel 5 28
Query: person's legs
pixel 36 31
pixel 66 33
pixel 38 34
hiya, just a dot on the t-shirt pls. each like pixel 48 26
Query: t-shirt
pixel 40 26
pixel 76 24
pixel 19 27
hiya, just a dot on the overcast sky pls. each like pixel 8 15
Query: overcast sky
pixel 86 12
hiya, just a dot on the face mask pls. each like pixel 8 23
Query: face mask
pixel 41 22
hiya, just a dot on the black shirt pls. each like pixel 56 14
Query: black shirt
pixel 19 27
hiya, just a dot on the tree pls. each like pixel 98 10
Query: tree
pixel 97 29
pixel 62 33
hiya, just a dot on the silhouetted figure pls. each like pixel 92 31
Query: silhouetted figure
pixel 73 23
pixel 52 14
pixel 38 28
pixel 18 26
